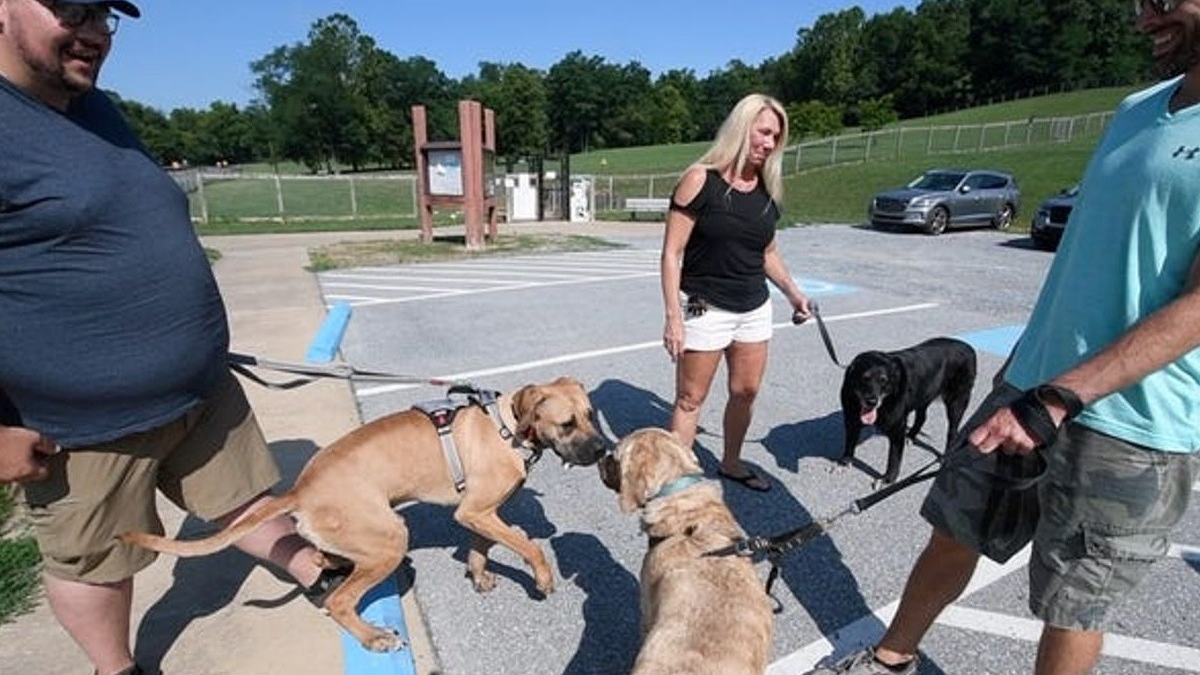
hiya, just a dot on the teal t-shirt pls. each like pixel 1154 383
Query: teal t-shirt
pixel 1127 250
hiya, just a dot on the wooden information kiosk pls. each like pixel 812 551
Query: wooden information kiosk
pixel 458 174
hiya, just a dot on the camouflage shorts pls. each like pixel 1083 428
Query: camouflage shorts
pixel 1098 520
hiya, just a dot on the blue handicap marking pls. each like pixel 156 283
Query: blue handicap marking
pixel 380 607
pixel 328 339
pixel 999 341
pixel 815 288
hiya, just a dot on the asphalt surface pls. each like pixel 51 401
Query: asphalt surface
pixel 504 322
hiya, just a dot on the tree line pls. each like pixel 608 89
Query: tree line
pixel 338 100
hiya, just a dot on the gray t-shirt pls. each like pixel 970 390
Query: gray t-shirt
pixel 110 319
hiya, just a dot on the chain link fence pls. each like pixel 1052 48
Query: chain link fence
pixel 222 194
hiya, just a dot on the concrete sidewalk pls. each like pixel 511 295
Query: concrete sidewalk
pixel 221 614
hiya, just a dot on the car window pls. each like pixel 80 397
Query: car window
pixel 937 180
pixel 976 181
pixel 992 181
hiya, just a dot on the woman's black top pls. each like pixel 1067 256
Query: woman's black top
pixel 723 260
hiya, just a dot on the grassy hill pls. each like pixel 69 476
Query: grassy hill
pixel 839 194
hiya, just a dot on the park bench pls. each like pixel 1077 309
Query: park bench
pixel 636 205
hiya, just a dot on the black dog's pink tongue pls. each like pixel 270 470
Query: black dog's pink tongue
pixel 868 416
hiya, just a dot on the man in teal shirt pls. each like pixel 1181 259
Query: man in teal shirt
pixel 1104 384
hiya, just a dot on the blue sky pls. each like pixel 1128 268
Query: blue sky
pixel 189 54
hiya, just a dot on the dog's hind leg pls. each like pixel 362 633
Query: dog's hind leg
pixel 370 567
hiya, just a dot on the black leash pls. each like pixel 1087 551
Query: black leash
pixel 776 546
pixel 816 311
pixel 242 363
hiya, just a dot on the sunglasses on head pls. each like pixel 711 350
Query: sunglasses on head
pixel 1157 6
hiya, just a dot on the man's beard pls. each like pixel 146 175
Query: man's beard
pixel 1181 59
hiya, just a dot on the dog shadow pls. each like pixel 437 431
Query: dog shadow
pixel 611 631
pixel 433 526
pixel 204 585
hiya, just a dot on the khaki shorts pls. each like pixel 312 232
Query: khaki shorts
pixel 1104 513
pixel 208 462
pixel 717 328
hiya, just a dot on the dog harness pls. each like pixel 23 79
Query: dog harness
pixel 443 411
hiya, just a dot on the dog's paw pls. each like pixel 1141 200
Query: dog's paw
pixel 384 641
pixel 485 582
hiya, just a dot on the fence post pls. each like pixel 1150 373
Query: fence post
pixel 353 199
pixel 279 198
pixel 957 133
pixel 833 152
pixel 200 195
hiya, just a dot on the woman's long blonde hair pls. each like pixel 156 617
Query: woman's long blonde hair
pixel 732 144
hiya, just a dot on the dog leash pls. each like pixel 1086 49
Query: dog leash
pixel 242 363
pixel 816 311
pixel 775 547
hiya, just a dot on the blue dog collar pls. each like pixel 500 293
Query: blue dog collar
pixel 682 483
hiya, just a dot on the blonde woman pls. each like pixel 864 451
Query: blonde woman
pixel 718 253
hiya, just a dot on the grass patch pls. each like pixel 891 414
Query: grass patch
pixel 19 561
pixel 389 252
pixel 839 194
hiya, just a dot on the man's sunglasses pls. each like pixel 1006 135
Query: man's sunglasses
pixel 1140 7
pixel 74 15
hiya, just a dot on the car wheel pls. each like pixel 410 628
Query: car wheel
pixel 1004 218
pixel 939 218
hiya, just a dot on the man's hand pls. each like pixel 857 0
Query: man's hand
pixel 24 455
pixel 1028 423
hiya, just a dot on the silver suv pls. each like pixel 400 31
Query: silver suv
pixel 943 198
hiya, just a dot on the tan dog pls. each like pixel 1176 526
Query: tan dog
pixel 701 615
pixel 342 501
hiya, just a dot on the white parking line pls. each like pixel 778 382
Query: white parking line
pixel 1030 630
pixel 580 356
pixel 866 630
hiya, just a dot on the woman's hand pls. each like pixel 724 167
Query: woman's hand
pixel 673 337
pixel 801 308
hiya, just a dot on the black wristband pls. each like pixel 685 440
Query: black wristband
pixel 1054 393
pixel 1030 410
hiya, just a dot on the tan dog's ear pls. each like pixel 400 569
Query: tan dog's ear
pixel 641 469
pixel 525 403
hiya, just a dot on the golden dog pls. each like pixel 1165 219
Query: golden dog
pixel 342 500
pixel 701 614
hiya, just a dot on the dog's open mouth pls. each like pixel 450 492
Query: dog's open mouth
pixel 868 416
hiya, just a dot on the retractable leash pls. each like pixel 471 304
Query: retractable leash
pixel 242 363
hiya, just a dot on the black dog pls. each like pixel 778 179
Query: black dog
pixel 882 388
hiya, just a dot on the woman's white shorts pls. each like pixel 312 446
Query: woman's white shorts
pixel 717 328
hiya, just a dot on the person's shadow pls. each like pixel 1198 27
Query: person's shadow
pixel 611 632
pixel 204 585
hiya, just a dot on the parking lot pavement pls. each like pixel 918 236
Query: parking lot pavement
pixel 597 317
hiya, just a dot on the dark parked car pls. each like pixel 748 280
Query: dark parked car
pixel 944 198
pixel 1051 219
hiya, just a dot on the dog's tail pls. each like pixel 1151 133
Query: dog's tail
pixel 197 547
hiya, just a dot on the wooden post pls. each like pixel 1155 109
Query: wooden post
pixel 470 131
pixel 424 208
